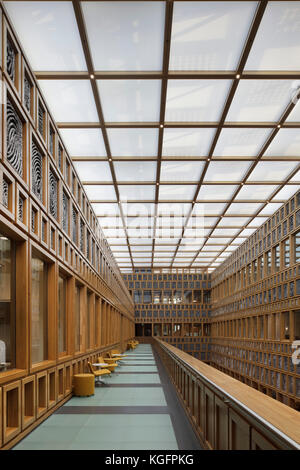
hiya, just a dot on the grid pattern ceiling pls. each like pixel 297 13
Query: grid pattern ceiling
pixel 181 117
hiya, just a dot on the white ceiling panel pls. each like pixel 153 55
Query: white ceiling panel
pixel 49 34
pixel 256 192
pixel 100 193
pixel 234 142
pixel 187 142
pixel 70 100
pixel 180 171
pixel 219 192
pixel 209 35
pixel 285 144
pixel 226 171
pixel 135 171
pixel 93 171
pixel 276 45
pixel 196 100
pixel 133 142
pixel 130 100
pixel 84 142
pixel 125 35
pixel 176 192
pixel 136 192
pixel 260 100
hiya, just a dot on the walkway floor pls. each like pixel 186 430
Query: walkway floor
pixel 137 409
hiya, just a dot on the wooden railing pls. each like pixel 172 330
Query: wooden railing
pixel 225 413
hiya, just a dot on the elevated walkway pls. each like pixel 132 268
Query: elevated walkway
pixel 137 409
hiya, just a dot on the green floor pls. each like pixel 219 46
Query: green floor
pixel 108 429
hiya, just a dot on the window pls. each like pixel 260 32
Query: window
pixel 297 324
pixel 286 325
pixel 7 304
pixel 286 252
pixel 39 310
pixel 261 267
pixel 297 247
pixel 62 314
pixel 77 318
pixel 89 299
pixel 268 262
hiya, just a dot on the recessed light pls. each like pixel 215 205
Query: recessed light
pixel 161 126
pixel 237 76
pixel 279 125
pixel 92 76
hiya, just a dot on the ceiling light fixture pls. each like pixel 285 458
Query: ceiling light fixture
pixel 92 76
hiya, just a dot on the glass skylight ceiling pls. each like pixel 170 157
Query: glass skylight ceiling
pixel 169 129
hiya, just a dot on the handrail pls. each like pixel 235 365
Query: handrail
pixel 262 411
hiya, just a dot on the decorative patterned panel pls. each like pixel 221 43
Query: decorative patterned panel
pixel 81 235
pixel 5 192
pixel 27 93
pixel 37 172
pixel 60 158
pixel 41 116
pixel 88 244
pixel 93 252
pixel 14 138
pixel 52 136
pixel 33 220
pixel 10 59
pixel 65 214
pixel 21 208
pixel 74 225
pixel 53 184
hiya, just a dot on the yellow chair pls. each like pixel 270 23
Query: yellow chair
pixel 98 373
pixel 108 365
pixel 84 385
pixel 119 354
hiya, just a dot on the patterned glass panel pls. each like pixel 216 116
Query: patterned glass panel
pixel 65 215
pixel 60 157
pixel 41 119
pixel 81 235
pixel 5 193
pixel 21 208
pixel 53 184
pixel 37 172
pixel 10 59
pixel 88 244
pixel 52 135
pixel 74 217
pixel 14 139
pixel 33 220
pixel 27 93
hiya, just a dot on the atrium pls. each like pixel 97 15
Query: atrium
pixel 150 206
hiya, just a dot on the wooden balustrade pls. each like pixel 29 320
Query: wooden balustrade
pixel 225 413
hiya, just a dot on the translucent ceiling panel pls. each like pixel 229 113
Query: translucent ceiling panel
pixel 103 209
pixel 187 142
pixel 93 171
pixel 276 45
pixel 221 240
pixel 286 192
pixel 70 100
pixel 135 171
pixel 285 144
pixel 170 221
pixel 249 208
pixel 257 222
pixel 164 248
pixel 294 116
pixel 196 100
pixel 139 232
pixel 114 233
pixel 100 193
pixel 130 100
pixel 231 232
pixel 180 171
pixel 176 208
pixel 138 208
pixel 247 232
pixel 84 142
pixel 202 221
pixel 141 248
pixel 136 192
pixel 260 100
pixel 270 208
pixel 256 192
pixel 296 177
pixel 134 222
pixel 234 142
pixel 170 232
pixel 226 171
pixel 125 35
pixel 272 171
pixel 140 241
pixel 208 247
pixel 176 192
pixel 207 208
pixel 233 221
pixel 209 35
pixel 49 34
pixel 133 142
pixel 219 192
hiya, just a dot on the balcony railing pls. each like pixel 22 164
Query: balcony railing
pixel 225 413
